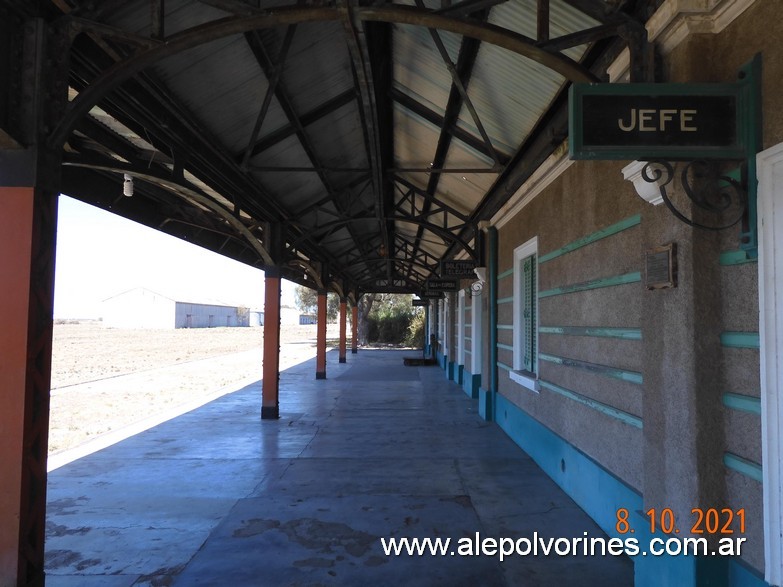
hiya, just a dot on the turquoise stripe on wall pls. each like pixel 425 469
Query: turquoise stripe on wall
pixel 624 333
pixel 504 366
pixel 594 284
pixel 591 238
pixel 735 258
pixel 625 417
pixel 505 327
pixel 743 403
pixel 507 300
pixel 740 340
pixel 743 466
pixel 507 347
pixel 507 273
pixel 605 370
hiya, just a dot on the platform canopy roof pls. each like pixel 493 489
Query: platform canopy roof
pixel 351 144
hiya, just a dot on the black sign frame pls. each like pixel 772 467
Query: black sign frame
pixel 719 133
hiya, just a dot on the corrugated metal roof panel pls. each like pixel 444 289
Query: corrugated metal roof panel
pixel 419 70
pixel 510 92
pixel 229 104
pixel 292 189
pixel 317 67
pixel 338 139
pixel 415 139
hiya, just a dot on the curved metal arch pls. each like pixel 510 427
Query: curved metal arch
pixel 287 15
pixel 309 269
pixel 151 176
pixel 444 233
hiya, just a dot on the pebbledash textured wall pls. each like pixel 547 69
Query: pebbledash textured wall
pixel 659 388
pixel 579 304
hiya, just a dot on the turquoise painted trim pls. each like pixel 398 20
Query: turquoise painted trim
pixel 728 258
pixel 593 284
pixel 592 487
pixel 507 273
pixel 507 300
pixel 610 411
pixel 606 371
pixel 467 352
pixel 507 347
pixel 600 494
pixel 504 366
pixel 743 403
pixel 740 575
pixel 743 466
pixel 486 405
pixel 471 384
pixel 591 238
pixel 460 373
pixel 740 340
pixel 450 375
pixel 505 327
pixel 602 332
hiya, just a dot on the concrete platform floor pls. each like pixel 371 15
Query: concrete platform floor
pixel 218 497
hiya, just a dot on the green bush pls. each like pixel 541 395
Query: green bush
pixel 395 326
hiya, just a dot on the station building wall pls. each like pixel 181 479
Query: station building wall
pixel 638 398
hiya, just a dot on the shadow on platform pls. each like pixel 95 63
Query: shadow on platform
pixel 378 450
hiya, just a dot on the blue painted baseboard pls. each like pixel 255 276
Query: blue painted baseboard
pixel 460 373
pixel 450 370
pixel 470 384
pixel 485 406
pixel 599 493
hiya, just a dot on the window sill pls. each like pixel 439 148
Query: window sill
pixel 525 379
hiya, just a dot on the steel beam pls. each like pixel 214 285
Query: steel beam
pixel 270 406
pixel 343 318
pixel 354 329
pixel 320 343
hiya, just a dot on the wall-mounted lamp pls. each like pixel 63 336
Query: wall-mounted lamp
pixel 127 186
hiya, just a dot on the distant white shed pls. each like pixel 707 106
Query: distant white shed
pixel 143 308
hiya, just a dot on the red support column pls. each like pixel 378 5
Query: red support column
pixel 343 318
pixel 320 359
pixel 354 329
pixel 28 222
pixel 270 404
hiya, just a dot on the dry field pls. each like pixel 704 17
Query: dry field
pixel 105 379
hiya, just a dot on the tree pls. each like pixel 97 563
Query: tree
pixel 306 299
pixel 307 302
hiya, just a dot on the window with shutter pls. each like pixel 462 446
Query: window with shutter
pixel 525 342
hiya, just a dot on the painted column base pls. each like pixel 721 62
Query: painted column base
pixel 354 351
pixel 460 373
pixel 450 370
pixel 485 404
pixel 342 360
pixel 320 375
pixel 270 412
pixel 471 384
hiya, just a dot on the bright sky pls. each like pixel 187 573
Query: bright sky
pixel 100 254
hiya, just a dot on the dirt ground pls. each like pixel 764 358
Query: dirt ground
pixel 104 379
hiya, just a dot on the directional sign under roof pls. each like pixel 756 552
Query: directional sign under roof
pixel 437 285
pixel 458 268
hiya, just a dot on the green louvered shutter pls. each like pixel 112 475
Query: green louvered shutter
pixel 529 312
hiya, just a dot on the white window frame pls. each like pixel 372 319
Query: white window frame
pixel 519 375
pixel 476 334
pixel 770 233
pixel 461 328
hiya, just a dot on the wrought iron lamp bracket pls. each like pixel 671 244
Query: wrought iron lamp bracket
pixel 720 200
